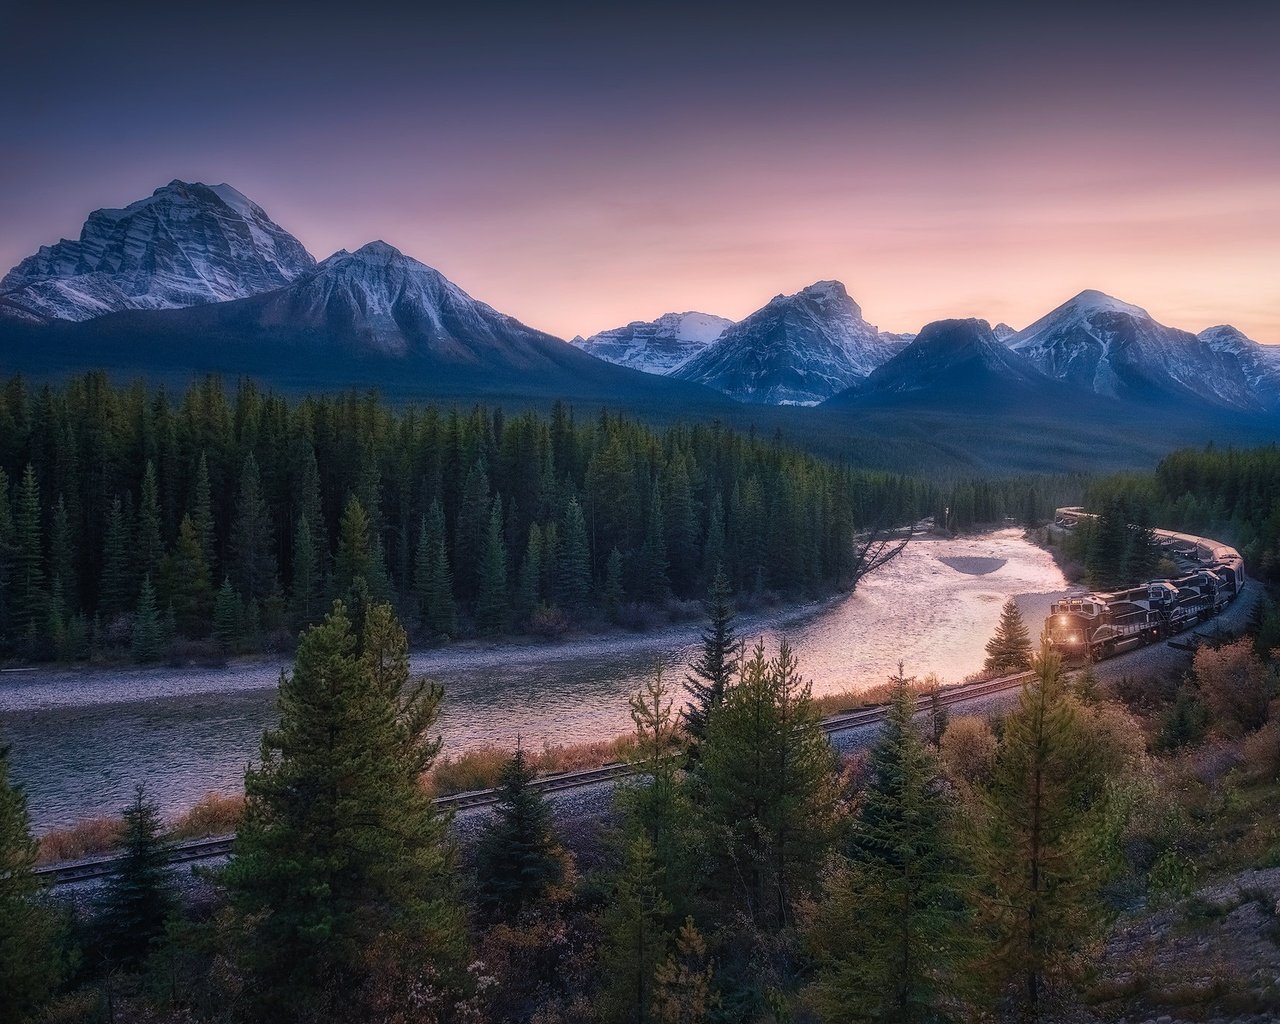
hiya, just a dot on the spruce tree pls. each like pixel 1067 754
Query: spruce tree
pixel 1009 649
pixel 470 532
pixel 343 878
pixel 1040 872
pixel 29 963
pixel 573 573
pixel 28 566
pixel 115 594
pixel 202 511
pixel 139 898
pixel 355 559
pixel 637 936
pixel 150 544
pixel 250 551
pixel 439 610
pixel 529 593
pixel 890 926
pixel 190 587
pixel 714 669
pixel 7 557
pixel 518 857
pixel 765 787
pixel 613 595
pixel 147 642
pixel 62 556
pixel 305 594
pixel 683 992
pixel 492 608
pixel 653 583
pixel 226 617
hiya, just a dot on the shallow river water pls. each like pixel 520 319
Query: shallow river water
pixel 81 739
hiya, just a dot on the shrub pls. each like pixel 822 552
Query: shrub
pixel 214 814
pixel 968 750
pixel 1235 685
pixel 548 622
pixel 83 839
pixel 1261 752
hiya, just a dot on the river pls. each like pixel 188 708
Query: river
pixel 83 738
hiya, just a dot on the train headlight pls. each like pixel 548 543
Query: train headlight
pixel 1062 620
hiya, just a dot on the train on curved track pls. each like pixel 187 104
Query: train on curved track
pixel 1094 626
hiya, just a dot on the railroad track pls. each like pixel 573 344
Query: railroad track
pixel 213 847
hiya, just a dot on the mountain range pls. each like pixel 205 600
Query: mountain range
pixel 198 278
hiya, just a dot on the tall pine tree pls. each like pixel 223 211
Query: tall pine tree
pixel 140 896
pixel 714 669
pixel 1009 649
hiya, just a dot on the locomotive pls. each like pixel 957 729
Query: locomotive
pixel 1094 626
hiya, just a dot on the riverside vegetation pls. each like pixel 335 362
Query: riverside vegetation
pixel 135 524
pixel 969 870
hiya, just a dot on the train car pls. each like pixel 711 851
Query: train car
pixel 1094 626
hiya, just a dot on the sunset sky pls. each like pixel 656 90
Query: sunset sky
pixel 578 169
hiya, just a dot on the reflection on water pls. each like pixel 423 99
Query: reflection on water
pixel 82 739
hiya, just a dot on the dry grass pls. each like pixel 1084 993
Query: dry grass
pixel 480 768
pixel 873 696
pixel 83 839
pixel 215 814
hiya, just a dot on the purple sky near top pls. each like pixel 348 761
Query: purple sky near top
pixel 579 167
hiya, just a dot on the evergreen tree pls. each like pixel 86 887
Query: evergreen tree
pixel 226 617
pixel 305 596
pixel 1039 897
pixel 148 642
pixel 190 588
pixel 682 983
pixel 115 594
pixel 342 863
pixel 1009 649
pixel 470 533
pixel 29 963
pixel 1107 557
pixel 7 558
pixel 714 669
pixel 439 610
pixel 573 573
pixel 613 595
pixel 518 858
pixel 889 931
pixel 652 582
pixel 202 511
pixel 529 594
pixel 250 551
pixel 150 544
pixel 28 567
pixel 139 897
pixel 62 556
pixel 355 559
pixel 765 786
pixel 637 937
pixel 492 609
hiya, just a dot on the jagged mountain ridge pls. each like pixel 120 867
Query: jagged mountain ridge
pixel 184 245
pixel 798 349
pixel 370 316
pixel 656 346
pixel 953 358
pixel 1113 348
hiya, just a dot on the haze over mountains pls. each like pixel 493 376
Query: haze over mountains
pixel 198 278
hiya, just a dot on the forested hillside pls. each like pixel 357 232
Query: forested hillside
pixel 1229 494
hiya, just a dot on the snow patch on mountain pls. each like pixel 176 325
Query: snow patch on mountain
pixel 796 350
pixel 184 245
pixel 656 346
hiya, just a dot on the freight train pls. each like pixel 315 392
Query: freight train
pixel 1094 626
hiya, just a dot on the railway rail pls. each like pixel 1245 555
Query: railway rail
pixel 196 850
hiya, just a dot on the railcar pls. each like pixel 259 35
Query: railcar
pixel 1091 626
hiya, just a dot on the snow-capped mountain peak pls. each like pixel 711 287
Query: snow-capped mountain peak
pixel 1115 348
pixel 186 244
pixel 797 349
pixel 656 346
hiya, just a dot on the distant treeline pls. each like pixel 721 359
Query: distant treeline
pixel 134 518
pixel 1230 495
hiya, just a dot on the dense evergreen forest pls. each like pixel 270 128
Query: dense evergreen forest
pixel 1230 495
pixel 136 521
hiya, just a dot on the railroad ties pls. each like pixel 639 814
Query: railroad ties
pixel 221 846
